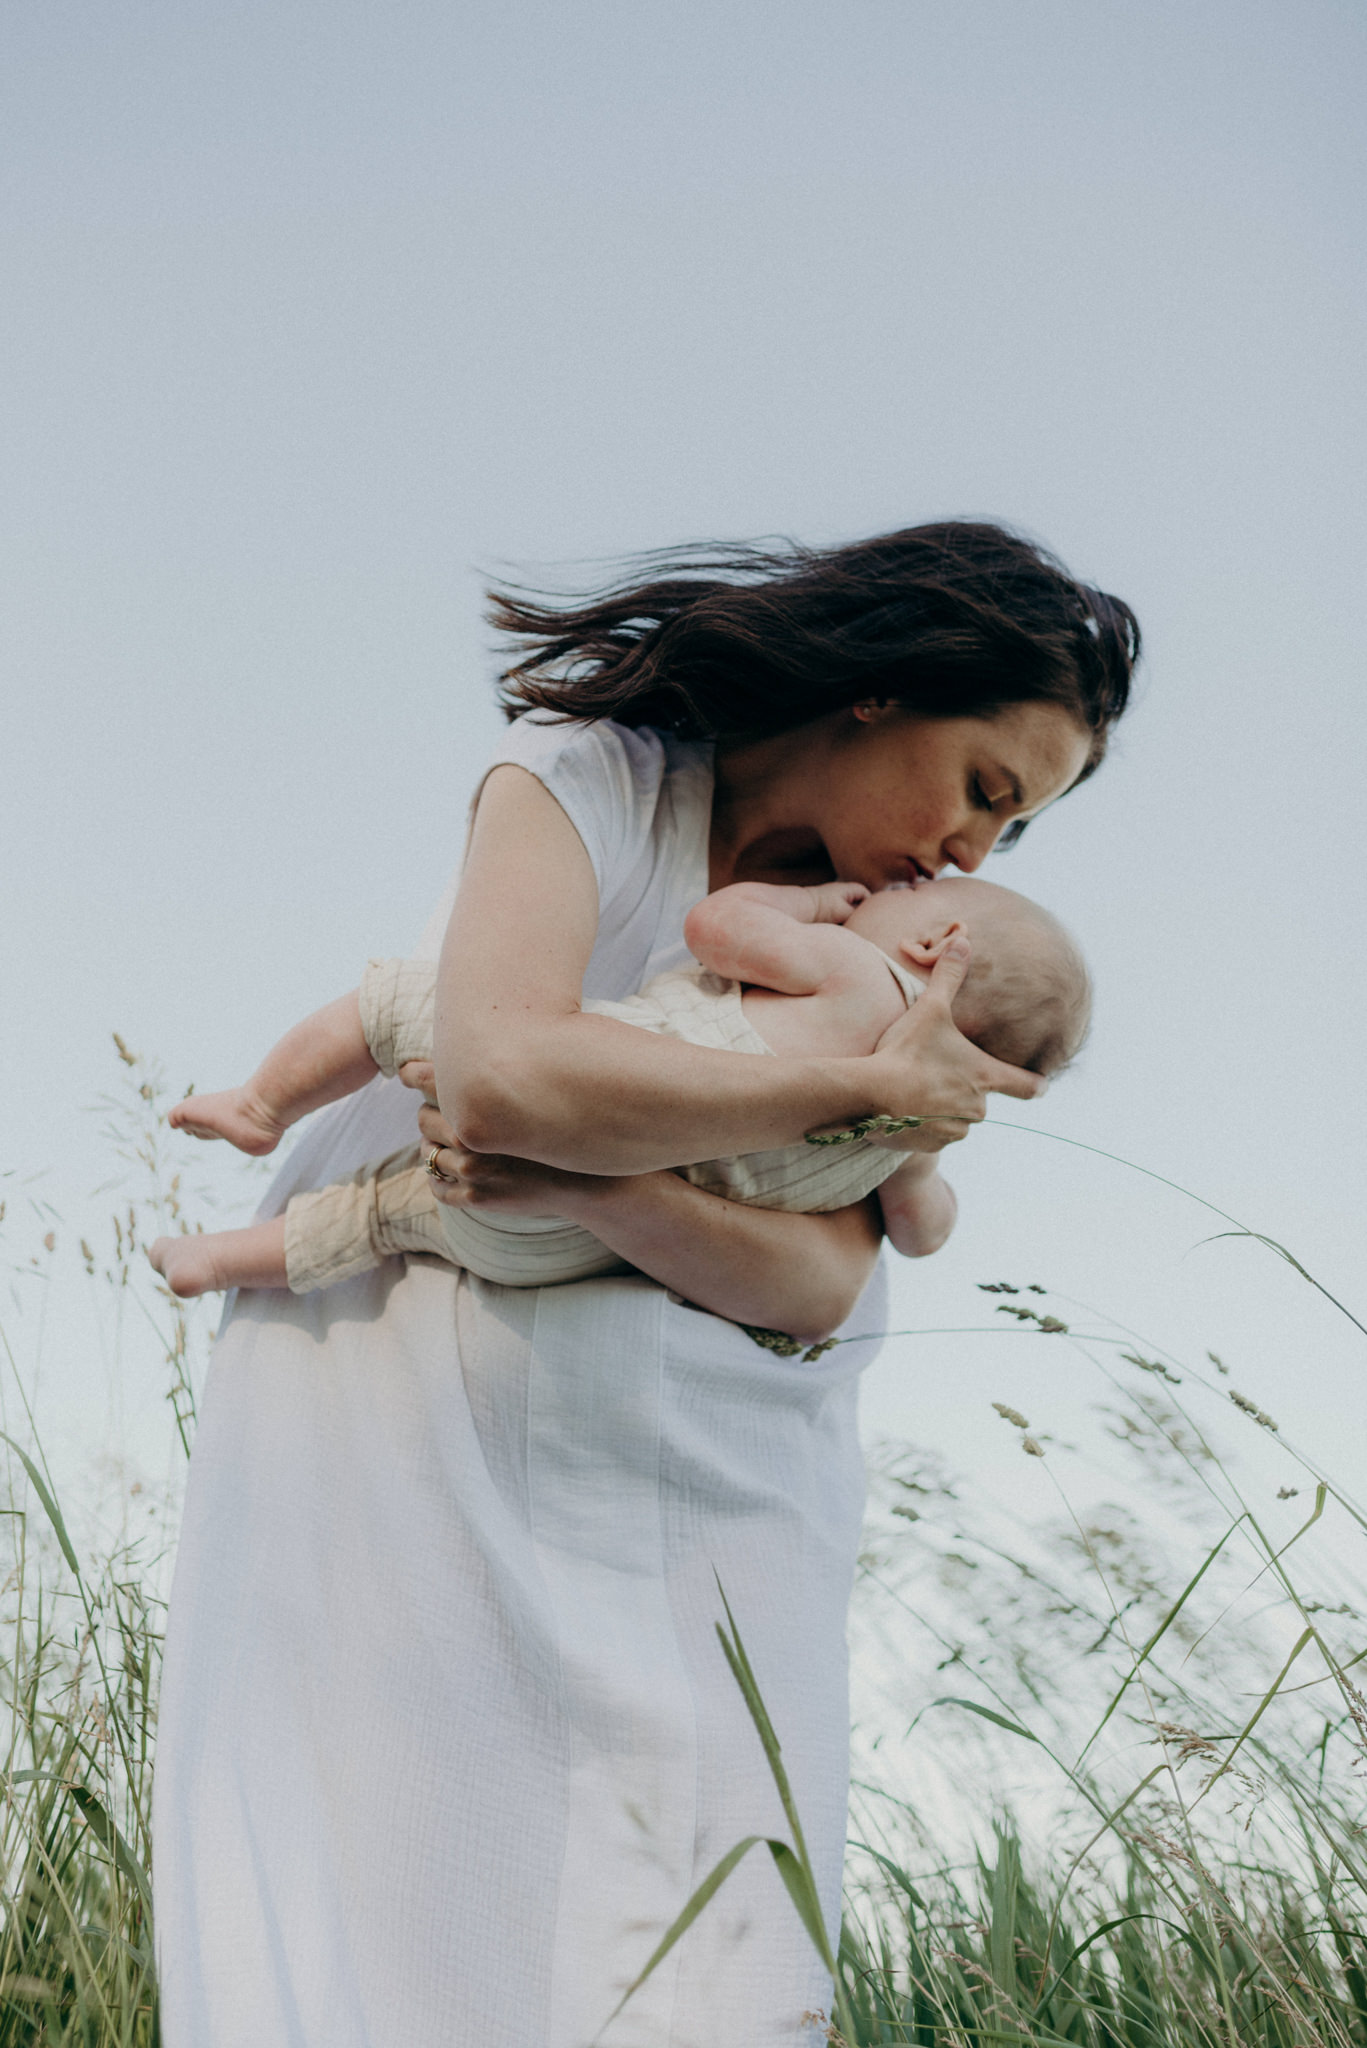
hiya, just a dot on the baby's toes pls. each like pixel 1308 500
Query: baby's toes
pixel 194 1129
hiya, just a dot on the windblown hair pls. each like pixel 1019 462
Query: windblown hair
pixel 949 620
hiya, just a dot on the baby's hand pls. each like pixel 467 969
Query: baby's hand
pixel 833 901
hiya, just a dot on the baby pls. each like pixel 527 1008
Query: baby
pixel 821 970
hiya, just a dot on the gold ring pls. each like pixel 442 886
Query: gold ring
pixel 430 1166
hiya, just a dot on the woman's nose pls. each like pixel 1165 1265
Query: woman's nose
pixel 968 849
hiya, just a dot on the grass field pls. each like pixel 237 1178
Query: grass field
pixel 1108 1764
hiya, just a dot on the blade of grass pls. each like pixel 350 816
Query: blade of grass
pixel 1307 1636
pixel 950 1699
pixel 684 1919
pixel 1142 1655
pixel 50 1507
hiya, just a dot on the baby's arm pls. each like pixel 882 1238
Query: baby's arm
pixel 919 1208
pixel 786 939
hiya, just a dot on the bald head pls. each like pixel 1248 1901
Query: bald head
pixel 1027 996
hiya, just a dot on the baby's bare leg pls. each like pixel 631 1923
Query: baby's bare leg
pixel 218 1259
pixel 319 1061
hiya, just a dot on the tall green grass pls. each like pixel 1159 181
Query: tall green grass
pixel 1108 1759
pixel 1172 1696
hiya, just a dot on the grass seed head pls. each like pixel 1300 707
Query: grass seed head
pixel 1247 1407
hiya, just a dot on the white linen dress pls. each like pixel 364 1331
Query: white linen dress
pixel 447 1736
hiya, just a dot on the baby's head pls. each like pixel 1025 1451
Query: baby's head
pixel 1027 996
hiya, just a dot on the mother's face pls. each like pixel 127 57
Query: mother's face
pixel 903 796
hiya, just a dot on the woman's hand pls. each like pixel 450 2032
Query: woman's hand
pixel 926 1067
pixel 799 1274
pixel 422 1075
pixel 491 1181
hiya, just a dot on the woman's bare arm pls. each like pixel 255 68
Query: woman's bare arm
pixel 520 1069
pixel 798 1274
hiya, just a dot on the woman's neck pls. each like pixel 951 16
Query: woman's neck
pixel 762 806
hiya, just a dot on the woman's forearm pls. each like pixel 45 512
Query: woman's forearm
pixel 594 1095
pixel 521 1070
pixel 798 1274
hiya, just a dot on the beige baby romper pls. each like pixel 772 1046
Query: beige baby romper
pixel 382 1210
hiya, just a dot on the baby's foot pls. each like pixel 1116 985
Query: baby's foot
pixel 237 1115
pixel 186 1265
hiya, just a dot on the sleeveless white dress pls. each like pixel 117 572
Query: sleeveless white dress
pixel 447 1736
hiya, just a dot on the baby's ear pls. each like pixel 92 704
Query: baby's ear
pixel 926 951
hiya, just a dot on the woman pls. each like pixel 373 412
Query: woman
pixel 447 1737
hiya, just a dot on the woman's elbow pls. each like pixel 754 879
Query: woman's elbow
pixel 830 1302
pixel 823 1320
pixel 482 1105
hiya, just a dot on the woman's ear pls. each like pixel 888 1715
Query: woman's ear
pixel 924 952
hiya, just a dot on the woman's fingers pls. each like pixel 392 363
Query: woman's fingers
pixel 1018 1081
pixel 489 1180
pixel 933 1071
pixel 448 1181
pixel 434 1126
pixel 420 1074
pixel 993 1076
pixel 947 975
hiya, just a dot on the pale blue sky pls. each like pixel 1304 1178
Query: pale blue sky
pixel 312 311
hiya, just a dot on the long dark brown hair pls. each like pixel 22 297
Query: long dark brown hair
pixel 951 620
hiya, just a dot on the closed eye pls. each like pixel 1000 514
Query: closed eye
pixel 1011 832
